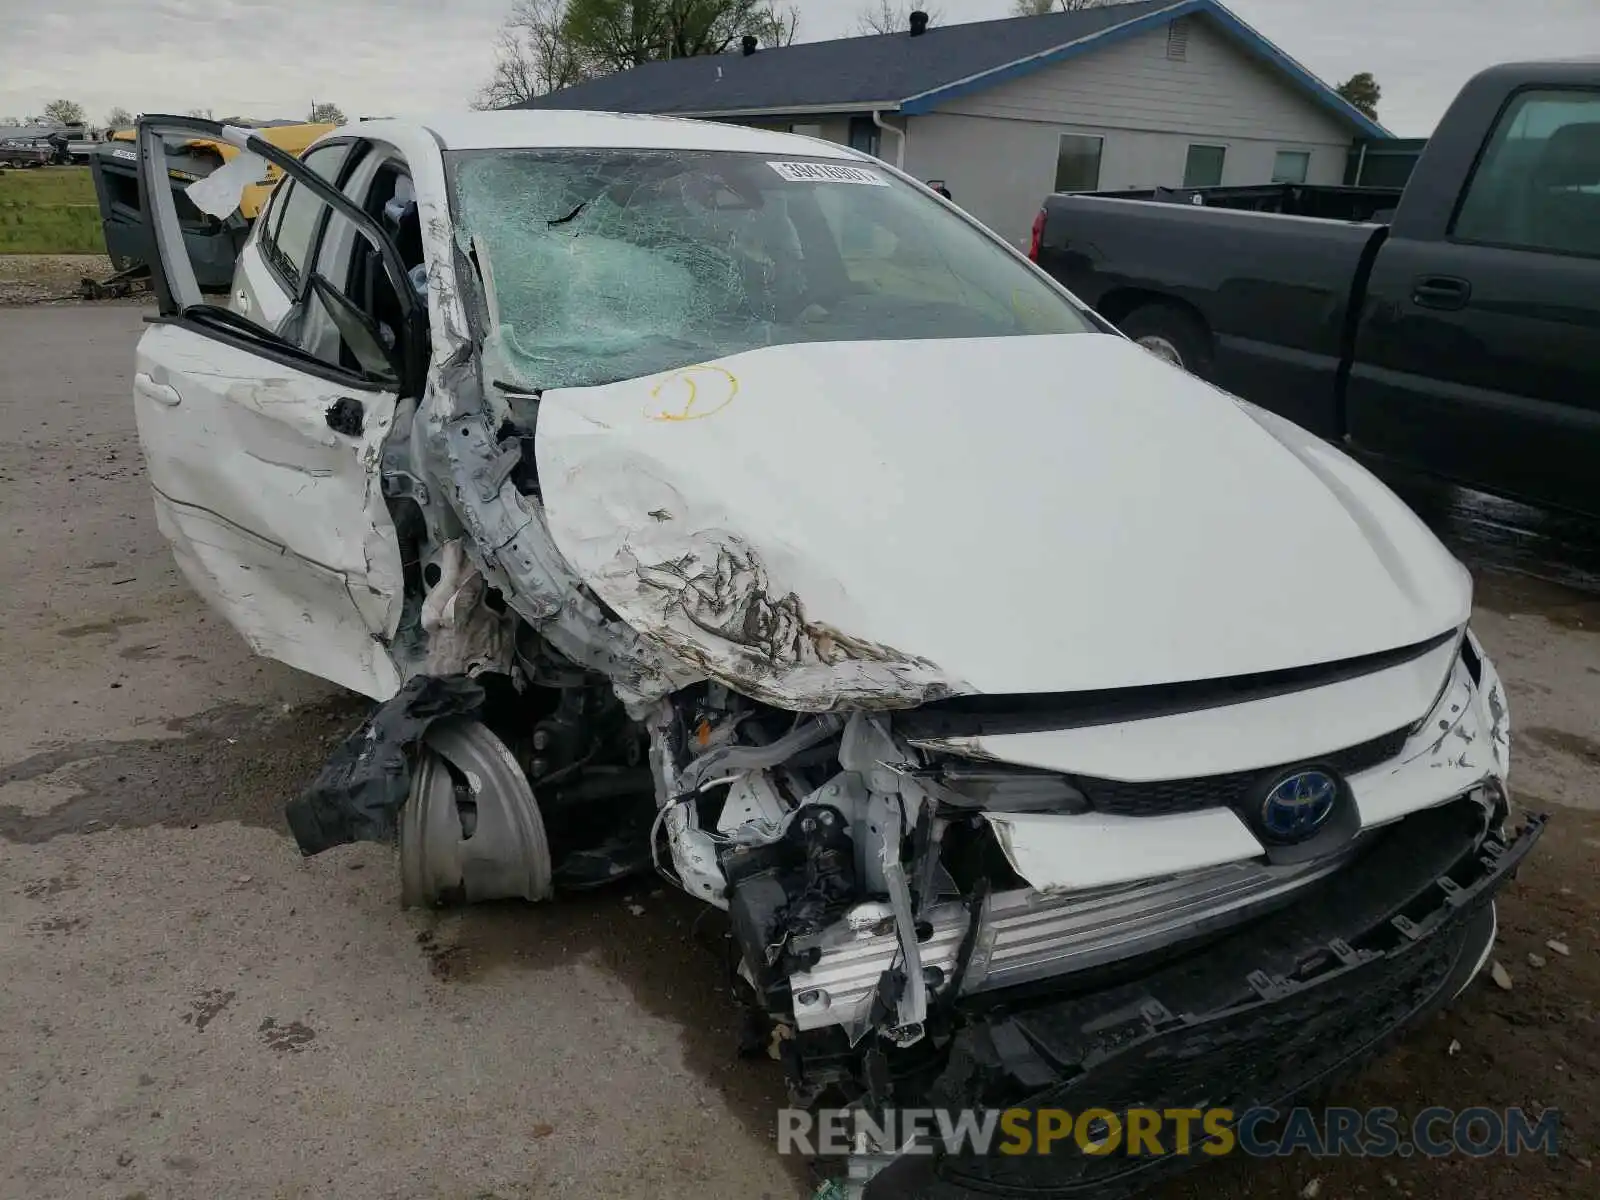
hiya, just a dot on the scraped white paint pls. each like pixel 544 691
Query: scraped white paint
pixel 1235 737
pixel 1027 514
pixel 275 519
pixel 1494 710
pixel 1452 751
pixel 1068 853
pixel 283 606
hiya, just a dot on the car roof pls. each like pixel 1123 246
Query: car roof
pixel 536 128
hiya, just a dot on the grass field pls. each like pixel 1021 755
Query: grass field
pixel 49 210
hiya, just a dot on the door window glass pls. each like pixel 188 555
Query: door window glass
pixel 200 232
pixel 1291 166
pixel 350 315
pixel 1078 163
pixel 1537 186
pixel 296 214
pixel 1203 166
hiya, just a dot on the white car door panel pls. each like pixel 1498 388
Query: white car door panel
pixel 282 521
pixel 275 517
pixel 285 607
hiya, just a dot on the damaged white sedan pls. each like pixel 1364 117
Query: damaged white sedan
pixel 1053 728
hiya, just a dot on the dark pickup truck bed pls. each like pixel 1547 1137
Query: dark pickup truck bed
pixel 1453 327
pixel 1332 201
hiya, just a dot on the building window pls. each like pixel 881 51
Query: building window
pixel 864 136
pixel 1078 163
pixel 1291 166
pixel 1203 166
pixel 811 131
pixel 1537 186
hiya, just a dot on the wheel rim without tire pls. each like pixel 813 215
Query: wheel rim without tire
pixel 472 833
pixel 1161 348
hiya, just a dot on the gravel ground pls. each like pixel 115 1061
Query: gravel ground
pixel 192 1010
pixel 47 278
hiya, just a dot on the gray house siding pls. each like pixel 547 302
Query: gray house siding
pixel 999 171
pixel 997 147
pixel 1132 84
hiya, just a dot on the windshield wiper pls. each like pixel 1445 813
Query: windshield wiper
pixel 512 389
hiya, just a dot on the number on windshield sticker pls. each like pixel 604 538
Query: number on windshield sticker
pixel 810 172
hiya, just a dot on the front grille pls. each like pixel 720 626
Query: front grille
pixel 1025 936
pixel 1161 797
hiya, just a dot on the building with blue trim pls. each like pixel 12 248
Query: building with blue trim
pixel 1149 93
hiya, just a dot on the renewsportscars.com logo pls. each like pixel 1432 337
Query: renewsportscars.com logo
pixel 1140 1132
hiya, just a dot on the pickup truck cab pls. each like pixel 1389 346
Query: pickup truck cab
pixel 1459 336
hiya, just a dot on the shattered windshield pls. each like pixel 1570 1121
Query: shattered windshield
pixel 604 265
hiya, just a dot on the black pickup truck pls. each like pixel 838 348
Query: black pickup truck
pixel 1453 327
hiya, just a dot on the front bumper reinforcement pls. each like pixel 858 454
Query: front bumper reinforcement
pixel 1254 1020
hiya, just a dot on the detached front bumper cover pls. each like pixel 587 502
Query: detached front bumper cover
pixel 1252 1021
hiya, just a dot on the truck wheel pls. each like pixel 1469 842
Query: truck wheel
pixel 1170 334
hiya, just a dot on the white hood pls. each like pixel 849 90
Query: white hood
pixel 885 522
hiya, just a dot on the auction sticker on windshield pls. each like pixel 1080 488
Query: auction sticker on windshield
pixel 810 172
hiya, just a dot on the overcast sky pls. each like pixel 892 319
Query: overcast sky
pixel 382 57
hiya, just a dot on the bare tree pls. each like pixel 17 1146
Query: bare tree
pixel 777 26
pixel 203 113
pixel 884 17
pixel 532 56
pixel 119 118
pixel 325 113
pixel 546 45
pixel 1038 8
pixel 64 112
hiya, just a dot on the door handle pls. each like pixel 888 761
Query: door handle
pixel 161 393
pixel 1441 291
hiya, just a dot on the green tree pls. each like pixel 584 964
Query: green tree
pixel 617 34
pixel 1363 92
pixel 64 112
pixel 326 113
